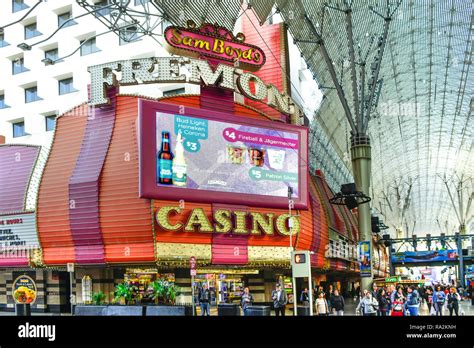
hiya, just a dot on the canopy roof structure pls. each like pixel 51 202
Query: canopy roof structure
pixel 421 126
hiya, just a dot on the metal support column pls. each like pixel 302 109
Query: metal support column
pixel 461 260
pixel 361 166
pixel 392 269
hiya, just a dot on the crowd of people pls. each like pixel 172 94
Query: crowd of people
pixel 389 300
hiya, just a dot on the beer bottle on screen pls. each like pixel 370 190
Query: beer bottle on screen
pixel 165 161
pixel 179 163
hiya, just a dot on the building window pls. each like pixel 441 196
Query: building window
pixel 128 35
pixel 50 122
pixel 31 94
pixel 102 12
pixel 3 43
pixel 141 2
pixel 88 47
pixel 66 86
pixel 173 92
pixel 18 5
pixel 51 54
pixel 65 17
pixel 18 66
pixel 31 31
pixel 19 129
pixel 2 102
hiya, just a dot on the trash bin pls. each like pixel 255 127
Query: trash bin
pixel 303 310
pixel 228 309
pixel 258 311
pixel 23 309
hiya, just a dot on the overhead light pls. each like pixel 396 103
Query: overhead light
pixel 349 197
pixel 24 46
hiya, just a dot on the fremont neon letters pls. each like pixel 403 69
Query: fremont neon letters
pixel 168 70
pixel 226 221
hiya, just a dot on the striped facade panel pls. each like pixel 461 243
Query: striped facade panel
pixel 84 183
pixel 53 218
pixel 321 229
pixel 16 166
pixel 18 236
pixel 125 219
pixel 275 69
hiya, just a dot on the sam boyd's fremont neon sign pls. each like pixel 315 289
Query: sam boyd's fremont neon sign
pixel 169 70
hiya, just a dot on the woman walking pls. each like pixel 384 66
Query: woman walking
pixel 439 298
pixel 453 302
pixel 384 302
pixel 322 308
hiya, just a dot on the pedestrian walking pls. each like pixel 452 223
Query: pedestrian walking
pixel 279 300
pixel 204 297
pixel 384 302
pixel 413 301
pixel 337 303
pixel 439 299
pixel 246 300
pixel 398 304
pixel 453 302
pixel 368 305
pixel 322 307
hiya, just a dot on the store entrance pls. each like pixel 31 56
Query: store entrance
pixel 224 288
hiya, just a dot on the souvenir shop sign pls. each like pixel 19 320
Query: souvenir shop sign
pixel 24 290
pixel 170 70
pixel 215 42
pixel 173 218
pixel 205 156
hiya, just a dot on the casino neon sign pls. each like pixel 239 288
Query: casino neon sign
pixel 215 42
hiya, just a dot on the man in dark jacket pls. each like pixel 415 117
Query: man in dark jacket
pixel 279 300
pixel 204 300
pixel 337 303
pixel 246 300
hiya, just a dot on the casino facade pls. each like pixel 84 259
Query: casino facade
pixel 96 199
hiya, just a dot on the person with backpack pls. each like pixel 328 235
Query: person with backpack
pixel 438 300
pixel 368 306
pixel 246 300
pixel 453 302
pixel 384 302
pixel 413 301
pixel 337 303
pixel 398 303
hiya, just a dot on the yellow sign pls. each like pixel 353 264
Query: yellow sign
pixel 226 221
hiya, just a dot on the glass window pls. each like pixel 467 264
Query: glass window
pixel 66 86
pixel 3 43
pixel 128 35
pixel 173 92
pixel 31 31
pixel 2 101
pixel 31 94
pixel 18 129
pixel 88 47
pixel 51 54
pixel 63 18
pixel 98 5
pixel 50 122
pixel 18 66
pixel 18 5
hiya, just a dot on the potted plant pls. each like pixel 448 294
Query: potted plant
pixel 164 295
pixel 126 295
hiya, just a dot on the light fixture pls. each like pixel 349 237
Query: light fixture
pixel 47 61
pixel 24 46
pixel 349 197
